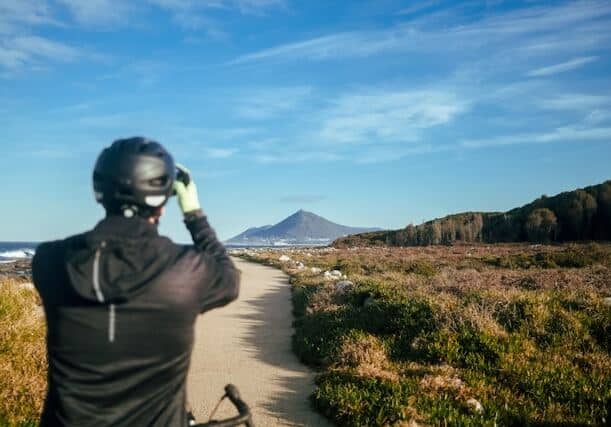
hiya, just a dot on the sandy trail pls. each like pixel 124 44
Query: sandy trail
pixel 248 343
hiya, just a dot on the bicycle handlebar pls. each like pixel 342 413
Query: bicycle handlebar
pixel 232 393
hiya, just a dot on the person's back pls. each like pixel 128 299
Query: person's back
pixel 121 303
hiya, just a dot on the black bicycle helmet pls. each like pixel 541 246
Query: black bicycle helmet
pixel 134 176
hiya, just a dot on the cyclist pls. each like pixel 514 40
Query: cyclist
pixel 121 301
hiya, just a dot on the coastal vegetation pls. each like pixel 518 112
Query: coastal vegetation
pixel 583 214
pixel 23 365
pixel 503 334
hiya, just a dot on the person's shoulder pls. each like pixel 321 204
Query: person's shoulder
pixel 53 248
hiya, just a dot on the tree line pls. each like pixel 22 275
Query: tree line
pixel 583 214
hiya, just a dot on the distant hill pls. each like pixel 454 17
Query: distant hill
pixel 300 228
pixel 583 214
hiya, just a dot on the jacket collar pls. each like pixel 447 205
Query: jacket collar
pixel 119 226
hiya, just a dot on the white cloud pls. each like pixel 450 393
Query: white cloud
pixel 97 12
pixel 388 116
pixel 192 14
pixel 298 157
pixel 418 6
pixel 220 153
pixel 567 133
pixel 562 67
pixel 598 116
pixel 15 14
pixel 22 51
pixel 584 23
pixel 265 103
pixel 575 101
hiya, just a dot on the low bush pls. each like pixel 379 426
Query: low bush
pixel 428 334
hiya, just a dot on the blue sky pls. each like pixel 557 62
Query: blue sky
pixel 370 113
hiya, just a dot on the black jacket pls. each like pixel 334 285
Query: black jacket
pixel 121 303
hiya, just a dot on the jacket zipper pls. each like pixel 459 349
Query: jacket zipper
pixel 98 292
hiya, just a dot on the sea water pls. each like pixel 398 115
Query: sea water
pixel 12 251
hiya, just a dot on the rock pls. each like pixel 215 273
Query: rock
pixel 369 301
pixel 343 286
pixel 607 301
pixel 474 405
pixel 315 270
pixel 333 275
pixel 284 258
pixel 299 266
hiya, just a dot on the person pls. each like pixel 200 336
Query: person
pixel 121 301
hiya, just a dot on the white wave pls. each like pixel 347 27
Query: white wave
pixel 17 253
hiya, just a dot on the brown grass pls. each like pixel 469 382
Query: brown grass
pixel 23 364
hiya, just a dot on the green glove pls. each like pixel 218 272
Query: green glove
pixel 186 191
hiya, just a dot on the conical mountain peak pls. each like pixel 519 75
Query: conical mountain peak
pixel 302 227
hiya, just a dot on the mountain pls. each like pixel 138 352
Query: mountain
pixel 300 228
pixel 582 214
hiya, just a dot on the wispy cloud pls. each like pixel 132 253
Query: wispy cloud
pixel 194 14
pixel 15 14
pixel 265 103
pixel 20 51
pixel 98 12
pixel 562 67
pixel 388 116
pixel 220 153
pixel 560 134
pixel 302 156
pixel 575 101
pixel 580 21
pixel 418 7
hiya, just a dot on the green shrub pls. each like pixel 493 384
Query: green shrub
pixel 355 401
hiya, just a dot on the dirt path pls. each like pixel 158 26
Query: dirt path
pixel 248 343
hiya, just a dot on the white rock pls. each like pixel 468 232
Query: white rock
pixel 343 286
pixel 475 405
pixel 284 258
pixel 315 270
pixel 299 266
pixel 333 275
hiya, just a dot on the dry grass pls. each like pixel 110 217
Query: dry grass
pixel 23 364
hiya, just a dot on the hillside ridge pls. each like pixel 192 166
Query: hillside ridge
pixel 577 215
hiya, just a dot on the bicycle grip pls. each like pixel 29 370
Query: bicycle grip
pixel 232 393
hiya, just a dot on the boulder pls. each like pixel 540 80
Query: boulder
pixel 284 258
pixel 343 286
pixel 333 275
pixel 315 270
pixel 369 301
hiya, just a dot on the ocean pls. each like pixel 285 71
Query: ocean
pixel 11 251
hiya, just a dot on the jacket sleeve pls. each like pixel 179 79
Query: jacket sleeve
pixel 221 281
